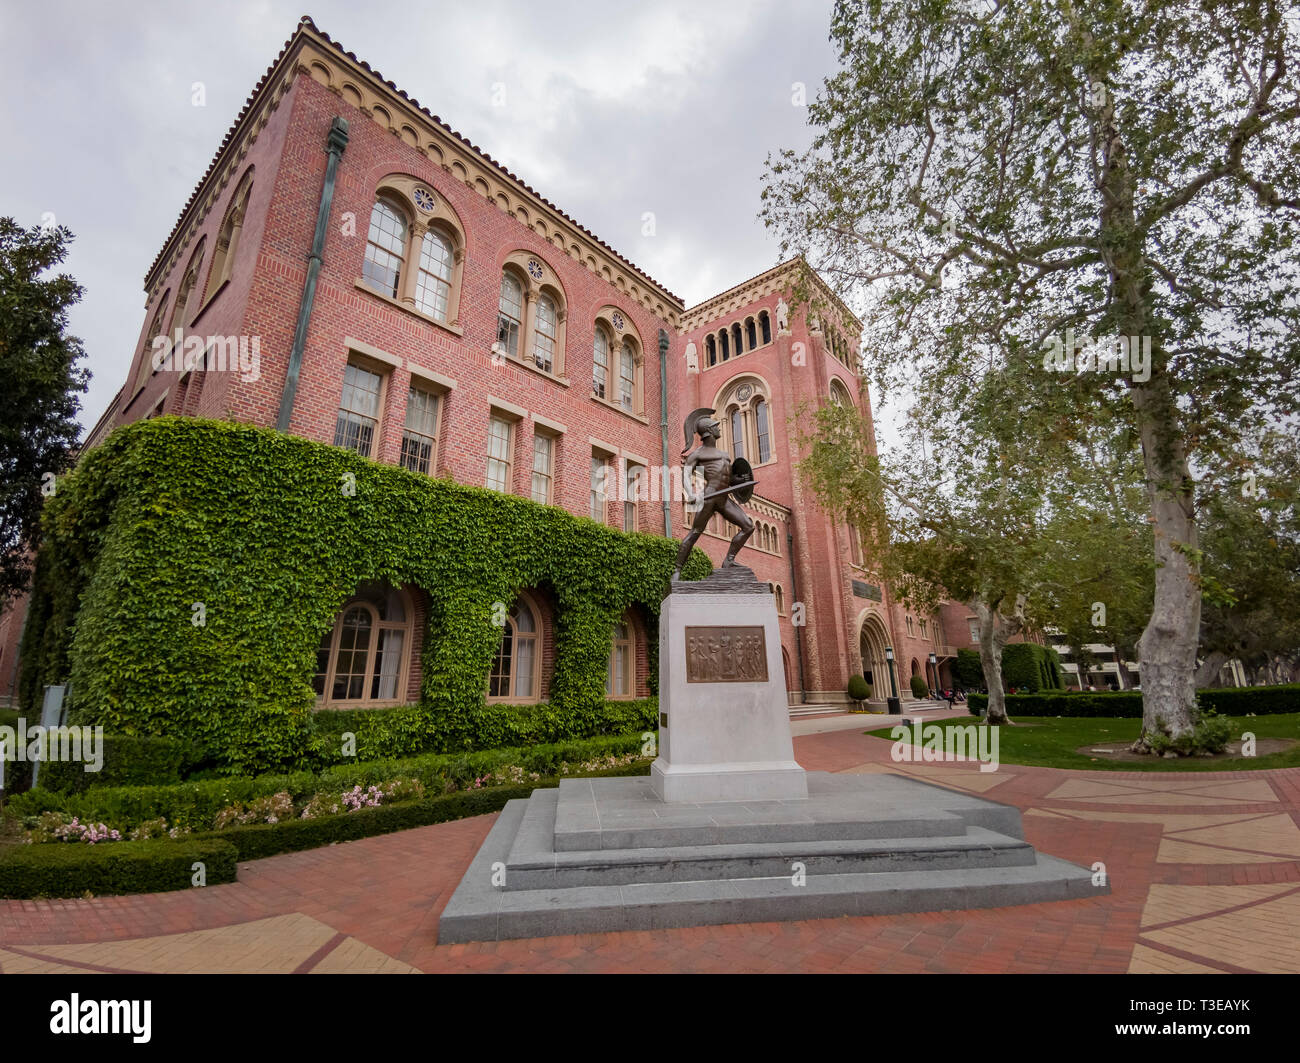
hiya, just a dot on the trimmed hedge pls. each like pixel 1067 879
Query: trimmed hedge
pixel 129 760
pixel 1127 704
pixel 271 533
pixel 194 804
pixel 409 730
pixel 1029 666
pixel 257 840
pixel 69 869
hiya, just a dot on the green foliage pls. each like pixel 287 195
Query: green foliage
pixel 1029 666
pixel 129 760
pixel 193 805
pixel 38 403
pixel 258 526
pixel 920 688
pixel 256 840
pixel 1238 701
pixel 69 869
pixel 1209 734
pixel 859 689
pixel 969 671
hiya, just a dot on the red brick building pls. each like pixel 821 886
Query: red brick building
pixel 380 283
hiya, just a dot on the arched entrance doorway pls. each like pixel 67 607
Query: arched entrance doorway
pixel 871 646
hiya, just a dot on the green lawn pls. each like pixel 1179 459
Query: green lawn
pixel 1050 742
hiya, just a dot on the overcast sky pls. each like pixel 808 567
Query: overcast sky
pixel 611 110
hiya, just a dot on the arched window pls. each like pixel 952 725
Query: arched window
pixel 737 343
pixel 620 679
pixel 855 546
pixel 840 394
pixel 544 335
pixel 362 659
pixel 223 257
pixel 765 326
pixel 600 363
pixel 710 351
pixel 433 280
pixel 627 376
pixel 761 431
pixel 415 250
pixel 155 329
pixel 516 671
pixel 181 312
pixel 751 333
pixel 510 314
pixel 385 249
pixel 780 600
pixel 724 344
pixel 747 419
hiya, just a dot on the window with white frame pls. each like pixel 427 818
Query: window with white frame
pixel 543 468
pixel 357 426
pixel 500 440
pixel 420 433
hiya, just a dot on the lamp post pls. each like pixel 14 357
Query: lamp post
pixel 895 706
pixel 934 664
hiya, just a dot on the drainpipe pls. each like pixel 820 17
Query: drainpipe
pixel 798 635
pixel 338 140
pixel 663 430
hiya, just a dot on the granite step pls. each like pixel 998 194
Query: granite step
pixel 481 911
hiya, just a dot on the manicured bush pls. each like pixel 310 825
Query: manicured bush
pixel 270 534
pixel 1262 701
pixel 412 729
pixel 256 840
pixel 970 673
pixel 1028 666
pixel 920 688
pixel 129 760
pixel 1127 704
pixel 69 869
pixel 859 689
pixel 193 805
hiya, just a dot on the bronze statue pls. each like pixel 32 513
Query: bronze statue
pixel 727 483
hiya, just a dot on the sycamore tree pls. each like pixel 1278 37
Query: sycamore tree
pixel 1113 188
pixel 968 523
pixel 39 382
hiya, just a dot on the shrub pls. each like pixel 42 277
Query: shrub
pixel 920 688
pixel 970 673
pixel 129 760
pixel 151 522
pixel 1127 704
pixel 121 867
pixel 1262 701
pixel 859 689
pixel 195 805
pixel 1209 735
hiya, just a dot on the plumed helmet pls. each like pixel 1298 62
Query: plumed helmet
pixel 692 422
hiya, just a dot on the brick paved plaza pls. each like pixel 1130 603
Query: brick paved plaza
pixel 1205 872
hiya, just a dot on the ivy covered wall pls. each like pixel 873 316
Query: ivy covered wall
pixel 190 567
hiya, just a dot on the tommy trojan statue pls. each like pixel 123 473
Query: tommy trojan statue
pixel 727 483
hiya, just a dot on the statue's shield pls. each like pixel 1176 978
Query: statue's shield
pixel 741 472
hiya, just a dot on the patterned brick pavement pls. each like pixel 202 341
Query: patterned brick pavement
pixel 1205 873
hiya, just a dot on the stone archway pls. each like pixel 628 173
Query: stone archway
pixel 872 640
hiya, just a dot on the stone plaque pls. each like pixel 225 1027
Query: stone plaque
pixel 726 655
pixel 866 590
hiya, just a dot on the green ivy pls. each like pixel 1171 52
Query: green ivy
pixel 272 533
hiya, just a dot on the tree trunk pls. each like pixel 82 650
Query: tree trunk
pixel 992 639
pixel 1207 674
pixel 1167 649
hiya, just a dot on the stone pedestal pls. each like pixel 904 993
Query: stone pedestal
pixel 724 725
